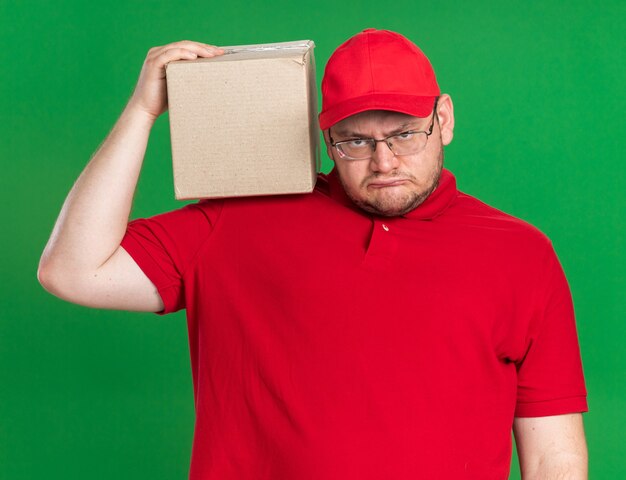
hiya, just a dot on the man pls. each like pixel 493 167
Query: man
pixel 386 326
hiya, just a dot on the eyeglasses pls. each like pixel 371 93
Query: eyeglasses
pixel 403 143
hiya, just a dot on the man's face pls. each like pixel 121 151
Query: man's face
pixel 386 184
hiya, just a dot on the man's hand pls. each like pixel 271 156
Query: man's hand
pixel 551 447
pixel 150 94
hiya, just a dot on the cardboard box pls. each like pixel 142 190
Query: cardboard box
pixel 245 123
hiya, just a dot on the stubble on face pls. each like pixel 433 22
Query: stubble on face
pixel 391 206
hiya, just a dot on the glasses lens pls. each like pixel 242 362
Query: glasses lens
pixel 357 149
pixel 408 143
pixel 401 144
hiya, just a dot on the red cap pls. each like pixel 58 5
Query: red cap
pixel 377 70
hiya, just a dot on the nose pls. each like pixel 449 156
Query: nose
pixel 383 159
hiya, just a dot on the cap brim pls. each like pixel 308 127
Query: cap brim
pixel 417 106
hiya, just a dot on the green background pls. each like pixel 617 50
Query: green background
pixel 538 89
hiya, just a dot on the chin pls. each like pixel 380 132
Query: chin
pixel 390 209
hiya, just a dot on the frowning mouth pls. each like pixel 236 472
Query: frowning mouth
pixel 393 183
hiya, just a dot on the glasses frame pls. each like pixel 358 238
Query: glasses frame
pixel 374 142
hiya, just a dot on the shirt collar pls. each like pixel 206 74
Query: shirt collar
pixel 434 205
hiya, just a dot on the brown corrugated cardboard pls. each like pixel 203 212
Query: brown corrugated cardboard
pixel 244 123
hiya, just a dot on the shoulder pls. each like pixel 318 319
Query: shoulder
pixel 271 203
pixel 491 222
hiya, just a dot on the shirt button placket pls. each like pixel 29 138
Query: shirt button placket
pixel 382 245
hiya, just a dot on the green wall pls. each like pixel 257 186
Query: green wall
pixel 538 89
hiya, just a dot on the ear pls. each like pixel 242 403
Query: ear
pixel 445 112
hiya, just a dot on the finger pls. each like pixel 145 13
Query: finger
pixel 193 46
pixel 213 47
pixel 172 55
pixel 211 50
pixel 184 43
pixel 209 46
pixel 198 49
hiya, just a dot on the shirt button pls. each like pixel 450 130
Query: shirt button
pixel 385 228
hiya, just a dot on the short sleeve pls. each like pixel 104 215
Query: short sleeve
pixel 550 375
pixel 165 245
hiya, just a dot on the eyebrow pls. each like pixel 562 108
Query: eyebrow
pixel 350 133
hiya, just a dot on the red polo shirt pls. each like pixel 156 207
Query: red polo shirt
pixel 328 343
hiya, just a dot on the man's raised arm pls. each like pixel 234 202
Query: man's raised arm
pixel 83 262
